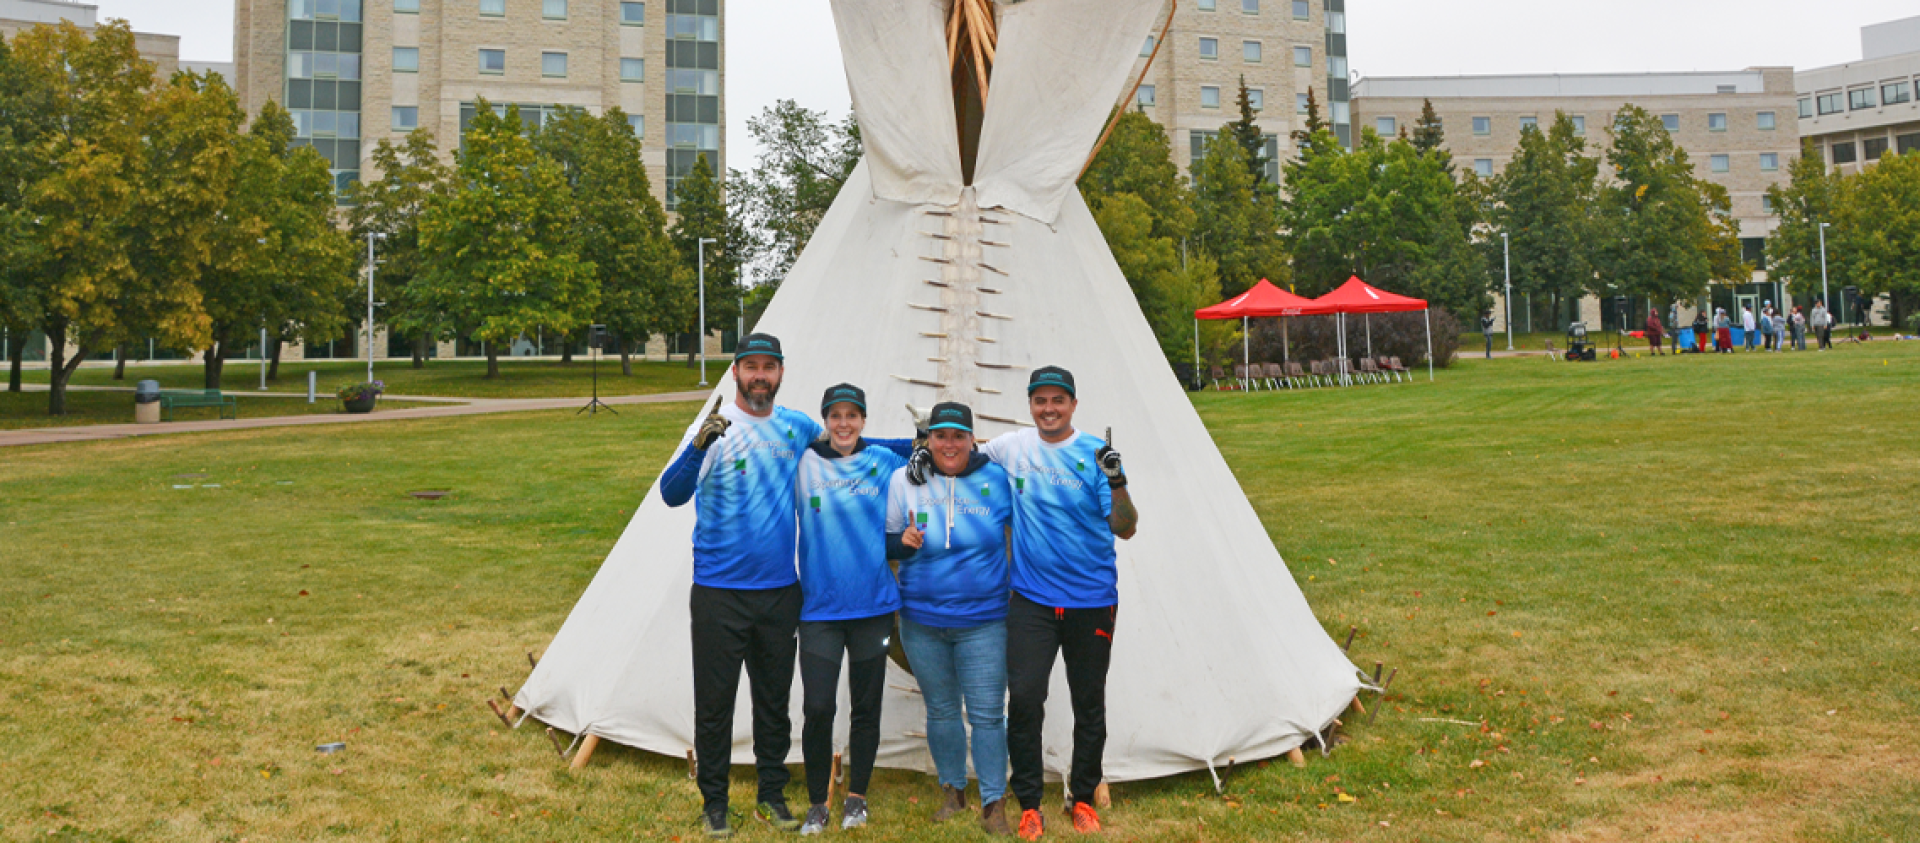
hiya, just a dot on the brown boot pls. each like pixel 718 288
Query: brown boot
pixel 956 802
pixel 993 817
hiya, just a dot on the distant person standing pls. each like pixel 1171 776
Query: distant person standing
pixel 1766 328
pixel 1655 331
pixel 1863 308
pixel 1799 323
pixel 1486 329
pixel 1748 326
pixel 1700 330
pixel 1823 325
pixel 1722 332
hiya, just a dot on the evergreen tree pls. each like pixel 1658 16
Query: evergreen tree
pixel 1311 126
pixel 1428 134
pixel 1544 202
pixel 1666 234
pixel 496 249
pixel 1246 132
pixel 1231 223
pixel 411 175
pixel 704 212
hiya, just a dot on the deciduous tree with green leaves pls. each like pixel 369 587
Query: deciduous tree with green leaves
pixel 496 249
pixel 391 206
pixel 1665 233
pixel 27 120
pixel 804 161
pixel 1813 194
pixel 1544 202
pixel 1879 227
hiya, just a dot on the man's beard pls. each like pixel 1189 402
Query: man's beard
pixel 757 401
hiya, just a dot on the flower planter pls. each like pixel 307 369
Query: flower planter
pixel 360 405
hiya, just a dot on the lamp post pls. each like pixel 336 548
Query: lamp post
pixel 371 236
pixel 1506 260
pixel 1825 299
pixel 700 335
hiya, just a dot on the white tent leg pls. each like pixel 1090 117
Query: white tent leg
pixel 1368 321
pixel 1246 356
pixel 1428 316
pixel 1196 349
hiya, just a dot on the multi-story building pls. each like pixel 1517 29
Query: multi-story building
pixel 1852 114
pixel 1736 127
pixel 354 72
pixel 1282 48
pixel 16 15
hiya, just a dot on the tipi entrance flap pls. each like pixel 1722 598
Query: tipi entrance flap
pixel 1062 65
pixel 896 60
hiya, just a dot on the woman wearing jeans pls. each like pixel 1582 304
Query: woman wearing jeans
pixel 950 538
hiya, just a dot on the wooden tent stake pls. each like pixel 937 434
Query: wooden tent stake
pixel 504 718
pixel 1102 796
pixel 1357 706
pixel 834 783
pixel 1351 631
pixel 693 767
pixel 1381 701
pixel 587 746
pixel 1298 758
pixel 558 748
pixel 1172 6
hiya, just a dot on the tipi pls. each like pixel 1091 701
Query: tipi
pixel 922 285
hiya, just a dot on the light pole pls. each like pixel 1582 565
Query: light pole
pixel 700 335
pixel 1506 260
pixel 371 236
pixel 1825 299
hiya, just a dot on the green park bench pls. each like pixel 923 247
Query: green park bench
pixel 228 405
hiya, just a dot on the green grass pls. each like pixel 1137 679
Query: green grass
pixel 1677 597
pixel 441 378
pixel 19 410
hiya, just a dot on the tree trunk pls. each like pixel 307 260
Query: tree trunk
pixel 16 355
pixel 420 350
pixel 213 363
pixel 566 349
pixel 273 367
pixel 493 361
pixel 57 371
pixel 120 363
pixel 626 358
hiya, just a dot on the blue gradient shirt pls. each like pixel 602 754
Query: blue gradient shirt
pixel 1062 544
pixel 958 578
pixel 742 489
pixel 842 503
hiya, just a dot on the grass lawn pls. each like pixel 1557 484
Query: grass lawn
pixel 19 410
pixel 1649 599
pixel 443 378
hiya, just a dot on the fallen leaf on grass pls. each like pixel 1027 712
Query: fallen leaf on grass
pixel 1347 797
pixel 1477 763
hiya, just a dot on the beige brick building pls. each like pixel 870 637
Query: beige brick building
pixel 16 15
pixel 1854 113
pixel 1738 128
pixel 1281 47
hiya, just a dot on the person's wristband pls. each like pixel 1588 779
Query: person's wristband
pixel 1119 482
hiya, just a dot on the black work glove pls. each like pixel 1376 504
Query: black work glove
pixel 919 466
pixel 1109 462
pixel 713 428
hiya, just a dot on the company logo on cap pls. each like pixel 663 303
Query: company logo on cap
pixel 1051 376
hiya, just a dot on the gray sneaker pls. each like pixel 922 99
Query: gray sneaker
pixel 715 822
pixel 816 820
pixel 776 814
pixel 853 812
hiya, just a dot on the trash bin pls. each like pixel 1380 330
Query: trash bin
pixel 146 402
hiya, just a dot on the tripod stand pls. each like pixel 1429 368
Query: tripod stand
pixel 593 407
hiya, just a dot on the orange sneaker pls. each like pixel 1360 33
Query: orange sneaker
pixel 1085 820
pixel 1032 825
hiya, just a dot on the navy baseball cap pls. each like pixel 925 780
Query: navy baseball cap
pixel 845 392
pixel 1051 376
pixel 950 414
pixel 767 344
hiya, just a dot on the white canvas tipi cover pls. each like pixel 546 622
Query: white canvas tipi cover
pixel 921 289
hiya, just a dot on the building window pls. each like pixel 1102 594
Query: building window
pixel 701 82
pixel 1483 125
pixel 340 10
pixel 1766 203
pixel 1529 123
pixel 1717 122
pixel 407 6
pixel 1894 93
pixel 1873 148
pixel 1251 7
pixel 1904 144
pixel 493 8
pixel 1209 96
pixel 1206 5
pixel 1342 114
pixel 1197 141
pixel 493 62
pixel 1843 153
pixel 406 59
pixel 406 118
pixel 1256 98
pixel 553 64
pixel 1671 121
pixel 638 123
pixel 553 9
pixel 1302 56
pixel 1579 125
pixel 1483 167
pixel 1147 48
pixel 1769 161
pixel 1720 163
pixel 1806 107
pixel 304 65
pixel 633 14
pixel 1831 103
pixel 1250 51
pixel 1764 121
pixel 1384 126
pixel 1209 48
pixel 1145 97
pixel 1337 22
pixel 633 70
pixel 1302 10
pixel 1860 98
pixel 1300 104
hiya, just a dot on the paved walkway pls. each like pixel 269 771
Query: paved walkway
pixel 464 407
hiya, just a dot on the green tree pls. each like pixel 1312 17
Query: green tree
pixel 1813 195
pixel 704 212
pixel 1879 224
pixel 391 206
pixel 495 249
pixel 1138 159
pixel 27 120
pixel 1246 132
pixel 1311 125
pixel 620 227
pixel 804 161
pixel 1430 135
pixel 1232 224
pixel 1544 202
pixel 1665 233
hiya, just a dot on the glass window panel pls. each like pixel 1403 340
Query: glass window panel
pixel 1302 56
pixel 1337 23
pixel 1250 51
pixel 1831 103
pixel 633 14
pixel 348 124
pixel 1256 98
pixel 1145 96
pixel 1483 125
pixel 1721 163
pixel 1764 120
pixel 406 118
pixel 493 8
pixel 1529 123
pixel 406 59
pixel 1859 98
pixel 553 9
pixel 350 10
pixel 1843 153
pixel 1671 121
pixel 1895 92
pixel 1209 48
pixel 1147 48
pixel 1483 167
pixel 638 123
pixel 1206 5
pixel 1300 103
pixel 1769 161
pixel 1342 113
pixel 553 64
pixel 349 96
pixel 1302 10
pixel 633 70
pixel 406 5
pixel 1806 107
pixel 326 36
pixel 326 65
pixel 326 8
pixel 1209 96
pixel 325 122
pixel 1717 122
pixel 493 61
pixel 1385 126
pixel 302 122
pixel 300 65
pixel 1579 124
pixel 348 66
pixel 1337 67
pixel 1251 7
pixel 1873 148
pixel 325 95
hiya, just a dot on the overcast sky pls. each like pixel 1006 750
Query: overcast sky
pixel 787 49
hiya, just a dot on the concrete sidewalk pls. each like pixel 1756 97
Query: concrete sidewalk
pixel 467 407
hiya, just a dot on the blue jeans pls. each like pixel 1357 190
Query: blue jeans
pixel 967 663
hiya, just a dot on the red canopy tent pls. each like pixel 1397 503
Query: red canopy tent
pixel 1262 300
pixel 1357 296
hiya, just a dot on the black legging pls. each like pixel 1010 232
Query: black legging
pixel 864 641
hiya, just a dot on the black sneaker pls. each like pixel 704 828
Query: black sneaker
pixel 777 815
pixel 816 821
pixel 853 812
pixel 715 822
